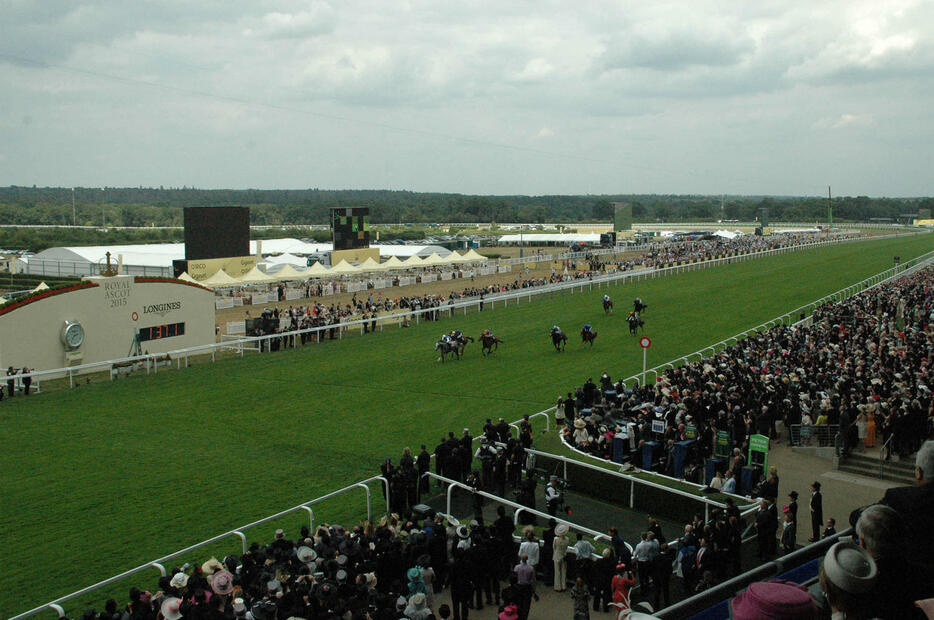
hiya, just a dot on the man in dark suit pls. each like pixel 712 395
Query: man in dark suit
pixel 915 505
pixel 817 511
pixel 766 526
pixel 831 529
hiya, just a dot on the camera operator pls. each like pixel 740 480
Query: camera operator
pixel 553 497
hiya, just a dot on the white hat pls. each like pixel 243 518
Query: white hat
pixel 561 529
pixel 179 580
pixel 170 608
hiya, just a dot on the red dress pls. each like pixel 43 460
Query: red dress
pixel 621 586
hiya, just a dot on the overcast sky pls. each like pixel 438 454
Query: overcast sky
pixel 489 97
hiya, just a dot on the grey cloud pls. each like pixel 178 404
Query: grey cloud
pixel 675 51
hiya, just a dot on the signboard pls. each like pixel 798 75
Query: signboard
pixel 690 431
pixel 645 342
pixel 759 451
pixel 722 445
pixel 234 266
pixel 622 216
pixel 658 426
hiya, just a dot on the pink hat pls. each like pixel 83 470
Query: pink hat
pixel 775 600
pixel 511 612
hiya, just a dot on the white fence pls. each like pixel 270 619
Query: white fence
pixel 261 343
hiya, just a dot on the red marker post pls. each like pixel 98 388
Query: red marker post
pixel 645 342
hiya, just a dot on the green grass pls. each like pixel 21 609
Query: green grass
pixel 106 476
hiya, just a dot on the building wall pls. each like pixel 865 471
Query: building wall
pixel 111 313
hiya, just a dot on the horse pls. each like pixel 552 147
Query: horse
pixel 638 306
pixel 463 340
pixel 635 323
pixel 588 336
pixel 455 347
pixel 607 306
pixel 488 343
pixel 560 340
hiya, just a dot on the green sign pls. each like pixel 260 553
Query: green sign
pixel 759 451
pixel 722 446
pixel 690 431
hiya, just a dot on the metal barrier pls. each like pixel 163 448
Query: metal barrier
pixel 820 435
pixel 635 480
pixel 238 532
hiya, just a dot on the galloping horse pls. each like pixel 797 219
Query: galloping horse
pixel 455 347
pixel 588 336
pixel 559 339
pixel 607 305
pixel 635 323
pixel 488 343
pixel 638 306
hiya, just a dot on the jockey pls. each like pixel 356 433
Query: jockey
pixel 456 334
pixel 587 327
pixel 446 337
pixel 487 332
pixel 555 329
pixel 606 298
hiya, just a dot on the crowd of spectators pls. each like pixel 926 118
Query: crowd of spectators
pixel 866 356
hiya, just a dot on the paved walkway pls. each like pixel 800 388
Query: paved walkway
pixel 843 492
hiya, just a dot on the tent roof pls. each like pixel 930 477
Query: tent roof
pixel 370 265
pixel 288 272
pixel 286 259
pixel 219 280
pixel 42 287
pixel 393 263
pixel 342 268
pixel 413 261
pixel 434 259
pixel 256 276
pixel 475 256
pixel 187 278
pixel 317 271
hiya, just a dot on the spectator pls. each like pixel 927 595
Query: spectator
pixel 899 582
pixel 916 505
pixel 847 577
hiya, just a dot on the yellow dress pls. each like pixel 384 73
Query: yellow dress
pixel 870 430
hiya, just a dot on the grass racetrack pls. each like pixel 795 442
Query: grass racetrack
pixel 103 477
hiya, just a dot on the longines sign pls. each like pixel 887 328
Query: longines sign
pixel 163 308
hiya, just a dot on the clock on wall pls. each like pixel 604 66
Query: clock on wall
pixel 72 335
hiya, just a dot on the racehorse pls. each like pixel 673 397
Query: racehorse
pixel 560 340
pixel 607 306
pixel 488 343
pixel 635 323
pixel 588 336
pixel 454 347
pixel 638 306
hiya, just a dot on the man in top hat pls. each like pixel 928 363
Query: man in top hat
pixel 817 511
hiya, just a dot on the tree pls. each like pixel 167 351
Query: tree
pixel 603 210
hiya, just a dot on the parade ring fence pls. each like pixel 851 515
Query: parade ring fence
pixel 238 346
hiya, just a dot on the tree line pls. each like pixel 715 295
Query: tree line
pixel 142 207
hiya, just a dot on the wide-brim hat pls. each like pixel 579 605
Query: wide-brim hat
pixel 211 566
pixel 306 554
pixel 462 531
pixel 418 601
pixel 561 529
pixel 170 608
pixel 179 580
pixel 578 423
pixel 222 582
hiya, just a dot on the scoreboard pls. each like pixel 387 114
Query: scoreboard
pixel 350 228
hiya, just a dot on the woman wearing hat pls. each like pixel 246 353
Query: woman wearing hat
pixel 622 583
pixel 559 556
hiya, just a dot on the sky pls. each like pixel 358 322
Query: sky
pixel 480 97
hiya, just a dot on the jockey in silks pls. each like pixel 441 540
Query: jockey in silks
pixel 606 298
pixel 555 329
pixel 456 334
pixel 588 327
pixel 446 337
pixel 487 332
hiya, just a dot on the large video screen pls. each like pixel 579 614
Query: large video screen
pixel 350 228
pixel 216 232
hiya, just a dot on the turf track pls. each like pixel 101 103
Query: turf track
pixel 104 477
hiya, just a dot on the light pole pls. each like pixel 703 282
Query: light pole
pixel 74 216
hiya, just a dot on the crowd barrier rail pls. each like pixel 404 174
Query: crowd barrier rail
pixel 402 319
